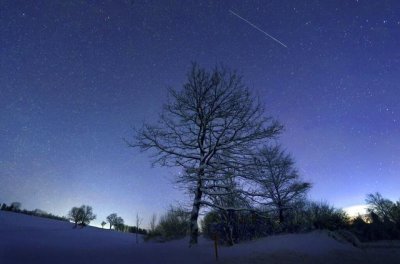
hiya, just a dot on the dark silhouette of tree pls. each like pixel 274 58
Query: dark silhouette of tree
pixel 384 208
pixel 280 182
pixel 87 215
pixel 81 215
pixel 208 128
pixel 379 205
pixel 174 223
pixel 103 224
pixel 153 223
pixel 15 206
pixel 138 223
pixel 119 224
pixel 111 219
pixel 75 215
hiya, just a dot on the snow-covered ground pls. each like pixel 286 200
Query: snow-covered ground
pixel 29 239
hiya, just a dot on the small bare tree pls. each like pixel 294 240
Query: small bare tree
pixel 138 223
pixel 280 182
pixel 103 224
pixel 153 223
pixel 208 128
pixel 382 207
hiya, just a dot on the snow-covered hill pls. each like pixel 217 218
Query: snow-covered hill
pixel 29 239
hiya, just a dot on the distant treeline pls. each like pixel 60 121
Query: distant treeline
pixel 16 207
pixel 133 229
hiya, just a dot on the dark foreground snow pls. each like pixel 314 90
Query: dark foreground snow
pixel 29 239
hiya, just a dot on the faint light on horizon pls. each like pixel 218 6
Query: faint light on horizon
pixel 355 210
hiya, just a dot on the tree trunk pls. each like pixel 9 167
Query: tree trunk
pixel 281 218
pixel 110 225
pixel 230 224
pixel 194 228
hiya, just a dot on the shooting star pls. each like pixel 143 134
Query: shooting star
pixel 259 29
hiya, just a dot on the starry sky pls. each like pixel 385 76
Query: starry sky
pixel 77 76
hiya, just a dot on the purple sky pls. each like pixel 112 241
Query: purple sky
pixel 76 76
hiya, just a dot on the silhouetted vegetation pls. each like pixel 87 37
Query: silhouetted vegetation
pixel 172 225
pixel 279 179
pixel 81 215
pixel 113 219
pixel 306 216
pixel 16 207
pixel 382 221
pixel 119 224
pixel 210 129
pixel 135 230
pixel 231 227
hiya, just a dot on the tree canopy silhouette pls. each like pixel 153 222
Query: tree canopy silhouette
pixel 210 129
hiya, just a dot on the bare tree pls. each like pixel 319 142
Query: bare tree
pixel 111 219
pixel 280 182
pixel 153 223
pixel 75 215
pixel 81 215
pixel 383 207
pixel 138 223
pixel 87 214
pixel 103 224
pixel 209 127
pixel 119 224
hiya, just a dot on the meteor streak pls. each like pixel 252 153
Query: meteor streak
pixel 259 29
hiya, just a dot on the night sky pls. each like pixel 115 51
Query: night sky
pixel 77 76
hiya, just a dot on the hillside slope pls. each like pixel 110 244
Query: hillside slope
pixel 29 239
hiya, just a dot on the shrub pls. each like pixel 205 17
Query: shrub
pixel 305 216
pixel 383 222
pixel 375 229
pixel 172 225
pixel 232 226
pixel 324 216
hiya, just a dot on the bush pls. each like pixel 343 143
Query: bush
pixel 306 216
pixel 374 229
pixel 324 216
pixel 232 226
pixel 174 224
pixel 383 221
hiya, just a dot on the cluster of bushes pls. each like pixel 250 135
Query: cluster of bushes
pixel 172 225
pixel 16 207
pixel 134 229
pixel 230 227
pixel 382 222
pixel 307 216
